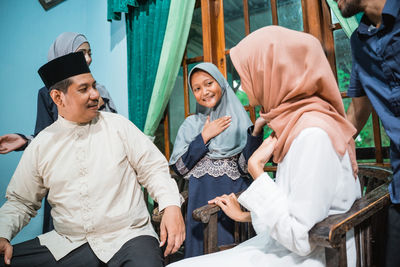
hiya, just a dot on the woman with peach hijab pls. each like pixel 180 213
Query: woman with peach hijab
pixel 287 73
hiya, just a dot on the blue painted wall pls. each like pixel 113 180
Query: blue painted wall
pixel 27 32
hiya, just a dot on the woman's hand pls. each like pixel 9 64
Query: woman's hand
pixel 258 126
pixel 214 128
pixel 11 142
pixel 230 205
pixel 101 102
pixel 261 156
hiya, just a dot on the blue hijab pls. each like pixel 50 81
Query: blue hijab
pixel 228 143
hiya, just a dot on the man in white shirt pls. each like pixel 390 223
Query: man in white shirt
pixel 92 165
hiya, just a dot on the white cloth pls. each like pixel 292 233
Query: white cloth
pixel 93 175
pixel 312 182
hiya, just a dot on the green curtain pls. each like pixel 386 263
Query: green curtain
pixel 145 29
pixel 348 24
pixel 146 21
pixel 115 7
pixel 176 35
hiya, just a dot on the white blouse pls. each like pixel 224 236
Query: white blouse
pixel 312 182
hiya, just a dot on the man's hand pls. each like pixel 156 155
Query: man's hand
pixel 6 249
pixel 172 228
pixel 214 128
pixel 261 156
pixel 231 207
pixel 11 142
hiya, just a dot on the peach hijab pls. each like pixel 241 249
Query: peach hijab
pixel 287 73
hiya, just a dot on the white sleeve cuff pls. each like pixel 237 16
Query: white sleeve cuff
pixel 265 202
pixel 169 201
pixel 257 192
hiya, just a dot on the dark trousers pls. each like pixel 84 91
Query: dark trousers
pixel 393 237
pixel 141 251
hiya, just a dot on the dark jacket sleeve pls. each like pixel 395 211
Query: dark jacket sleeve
pixel 46 114
pixel 46 111
pixel 196 151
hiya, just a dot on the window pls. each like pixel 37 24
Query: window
pixel 219 25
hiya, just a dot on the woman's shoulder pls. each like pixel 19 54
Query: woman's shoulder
pixel 313 132
pixel 311 139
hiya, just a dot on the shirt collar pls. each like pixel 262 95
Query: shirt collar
pixel 71 124
pixel 389 14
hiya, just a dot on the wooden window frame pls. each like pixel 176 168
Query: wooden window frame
pixel 316 21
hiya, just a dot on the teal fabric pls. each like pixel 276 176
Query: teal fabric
pixel 115 7
pixel 176 35
pixel 145 29
pixel 359 16
pixel 348 24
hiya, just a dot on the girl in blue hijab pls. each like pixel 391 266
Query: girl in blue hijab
pixel 211 151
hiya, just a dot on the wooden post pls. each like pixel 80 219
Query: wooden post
pixel 211 235
pixel 185 84
pixel 317 21
pixel 312 18
pixel 212 18
pixel 274 12
pixel 166 134
pixel 336 257
pixel 246 17
pixel 327 36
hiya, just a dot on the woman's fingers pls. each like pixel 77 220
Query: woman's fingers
pixel 217 199
pixel 223 120
pixel 222 204
pixel 212 201
pixel 214 128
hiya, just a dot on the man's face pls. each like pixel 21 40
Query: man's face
pixel 349 8
pixel 80 103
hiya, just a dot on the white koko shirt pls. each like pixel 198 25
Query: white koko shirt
pixel 93 175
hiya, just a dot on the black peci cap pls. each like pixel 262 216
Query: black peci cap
pixel 62 68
